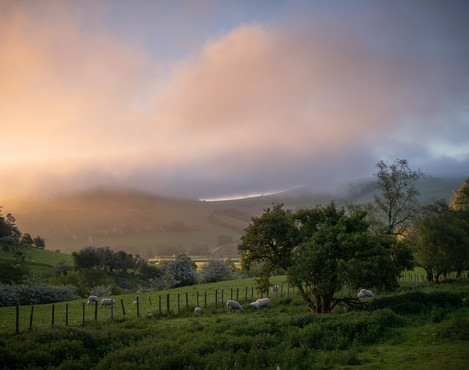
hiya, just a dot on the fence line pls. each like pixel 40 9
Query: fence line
pixel 71 309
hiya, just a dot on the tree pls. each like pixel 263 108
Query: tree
pixel 397 202
pixel 178 273
pixel 61 268
pixel 124 261
pixel 39 242
pixel 86 258
pixel 460 198
pixel 440 244
pixel 269 240
pixel 339 250
pixel 321 249
pixel 213 271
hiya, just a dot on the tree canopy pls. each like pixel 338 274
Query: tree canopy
pixel 460 198
pixel 322 250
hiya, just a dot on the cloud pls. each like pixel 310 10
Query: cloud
pixel 259 108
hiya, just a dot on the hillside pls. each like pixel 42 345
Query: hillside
pixel 151 225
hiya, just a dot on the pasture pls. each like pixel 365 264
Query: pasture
pixel 434 335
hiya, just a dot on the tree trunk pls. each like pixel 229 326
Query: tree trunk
pixel 429 276
pixel 306 298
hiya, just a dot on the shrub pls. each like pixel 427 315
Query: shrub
pixel 213 271
pixel 32 292
pixel 416 302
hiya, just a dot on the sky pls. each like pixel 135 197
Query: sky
pixel 216 99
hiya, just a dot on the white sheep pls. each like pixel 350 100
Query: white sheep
pixel 363 293
pixel 275 288
pixel 198 311
pixel 233 305
pixel 91 299
pixel 107 302
pixel 255 305
pixel 264 302
pixel 139 301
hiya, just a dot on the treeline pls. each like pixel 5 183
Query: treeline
pixel 104 258
pixel 13 240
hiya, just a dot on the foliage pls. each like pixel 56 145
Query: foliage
pixel 397 202
pixel 440 243
pixel 12 274
pixel 340 251
pixel 417 302
pixel 269 241
pixel 61 268
pixel 460 198
pixel 178 273
pixel 71 279
pixel 214 270
pixel 101 290
pixel 32 293
pixel 321 249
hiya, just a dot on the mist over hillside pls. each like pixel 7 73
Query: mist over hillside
pixel 150 225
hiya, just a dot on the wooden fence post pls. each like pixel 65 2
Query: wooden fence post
pixel 246 293
pixel 31 319
pixel 178 302
pixel 237 293
pixel 187 300
pixel 83 322
pixel 66 314
pixel 17 319
pixel 167 302
pixel 281 290
pixel 150 301
pixel 159 303
pixel 96 310
pixel 205 305
pixel 216 297
pixel 252 292
pixel 222 297
pixel 138 306
pixel 197 298
pixel 112 309
pixel 231 293
pixel 53 312
pixel 123 309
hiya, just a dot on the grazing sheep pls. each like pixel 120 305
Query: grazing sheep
pixel 365 293
pixel 255 305
pixel 275 288
pixel 198 311
pixel 139 301
pixel 91 299
pixel 264 302
pixel 107 302
pixel 233 305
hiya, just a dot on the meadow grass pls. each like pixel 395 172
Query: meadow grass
pixel 287 335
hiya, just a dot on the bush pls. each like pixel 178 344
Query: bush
pixel 416 302
pixel 31 293
pixel 10 274
pixel 213 271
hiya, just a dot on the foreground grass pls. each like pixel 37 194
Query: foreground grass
pixel 434 335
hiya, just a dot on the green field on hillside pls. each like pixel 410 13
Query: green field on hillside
pixel 287 335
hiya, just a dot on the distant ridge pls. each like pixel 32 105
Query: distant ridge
pixel 145 223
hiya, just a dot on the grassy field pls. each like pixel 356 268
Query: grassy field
pixel 435 335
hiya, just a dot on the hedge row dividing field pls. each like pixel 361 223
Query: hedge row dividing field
pixel 420 326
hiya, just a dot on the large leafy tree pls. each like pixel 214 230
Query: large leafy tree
pixel 441 244
pixel 338 249
pixel 397 198
pixel 321 250
pixel 269 241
